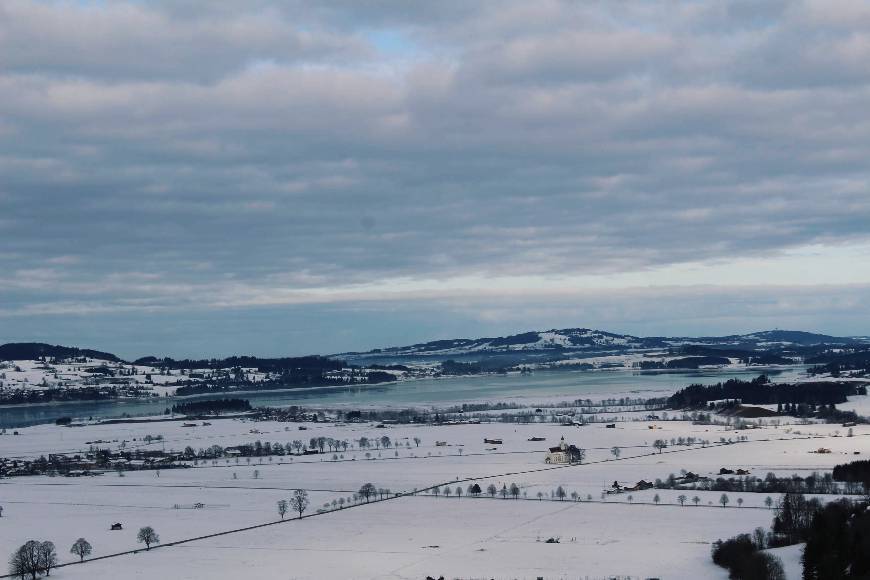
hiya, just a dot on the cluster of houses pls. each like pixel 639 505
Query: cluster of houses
pixel 93 462
pixel 639 486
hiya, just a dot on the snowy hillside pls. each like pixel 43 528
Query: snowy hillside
pixel 590 340
pixel 122 379
pixel 565 339
pixel 37 373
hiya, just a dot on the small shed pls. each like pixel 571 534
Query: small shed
pixel 117 526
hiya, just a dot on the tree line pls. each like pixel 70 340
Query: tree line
pixel 213 407
pixel 761 391
pixel 814 483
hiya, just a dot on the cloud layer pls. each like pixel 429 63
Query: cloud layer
pixel 229 155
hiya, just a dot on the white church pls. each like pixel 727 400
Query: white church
pixel 564 453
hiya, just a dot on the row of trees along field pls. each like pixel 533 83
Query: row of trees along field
pixel 35 558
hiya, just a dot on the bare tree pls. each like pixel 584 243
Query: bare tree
pixel 385 442
pixel 299 501
pixel 682 499
pixel 768 501
pixel 417 441
pixel 368 491
pixel 660 444
pixel 657 498
pixel 147 536
pixel 515 491
pixel 739 502
pixel 16 565
pixel 723 499
pixel 560 493
pixel 25 560
pixel 696 500
pixel 81 548
pixel 458 492
pixel 447 491
pixel 491 490
pixel 615 451
pixel 282 508
pixel 759 536
pixel 47 557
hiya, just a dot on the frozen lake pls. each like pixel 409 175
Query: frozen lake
pixel 538 387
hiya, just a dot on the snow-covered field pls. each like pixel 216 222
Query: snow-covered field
pixel 410 536
pixel 415 536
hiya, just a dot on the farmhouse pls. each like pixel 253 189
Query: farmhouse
pixel 563 453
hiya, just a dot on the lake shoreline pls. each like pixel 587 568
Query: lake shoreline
pixel 550 385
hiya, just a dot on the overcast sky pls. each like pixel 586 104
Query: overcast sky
pixel 208 178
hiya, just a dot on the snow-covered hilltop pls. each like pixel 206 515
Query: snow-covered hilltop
pixel 570 338
pixel 589 340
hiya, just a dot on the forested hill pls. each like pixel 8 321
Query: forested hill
pixel 37 350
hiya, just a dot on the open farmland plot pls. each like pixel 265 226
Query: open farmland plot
pixel 475 537
pixel 89 506
pixel 415 536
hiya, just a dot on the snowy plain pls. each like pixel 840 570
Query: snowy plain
pixel 413 535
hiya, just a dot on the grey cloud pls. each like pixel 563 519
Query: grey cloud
pixel 131 40
pixel 234 152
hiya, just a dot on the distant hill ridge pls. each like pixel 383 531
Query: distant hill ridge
pixel 567 339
